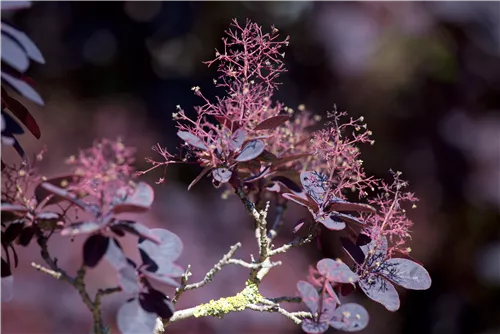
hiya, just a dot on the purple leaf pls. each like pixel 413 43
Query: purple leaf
pixel 338 204
pixel 13 54
pixel 7 288
pixel 363 239
pixel 198 178
pixel 299 199
pixel 29 47
pixel 128 279
pixel 42 193
pixel 330 223
pixel 346 218
pixel 14 5
pixel 81 228
pixel 65 194
pixel 406 273
pixel 336 271
pixel 22 114
pixel 272 122
pixel 251 150
pixel 377 249
pixel 22 88
pixel 13 208
pixel 192 140
pixel 133 319
pixel 115 256
pixel 298 225
pixel 139 201
pixel 156 302
pixel 167 251
pixel 94 249
pixel 309 295
pixel 162 278
pixel 222 175
pixel 332 294
pixel 353 250
pixel 316 185
pixel 5 269
pixel 237 139
pixel 26 236
pixel 287 183
pixel 380 290
pixel 12 231
pixel 137 229
pixel 312 327
pixel 350 317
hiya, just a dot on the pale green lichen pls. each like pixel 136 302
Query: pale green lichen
pixel 219 308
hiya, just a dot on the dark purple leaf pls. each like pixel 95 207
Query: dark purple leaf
pixel 12 232
pixel 10 125
pixel 267 156
pixel 222 175
pixel 363 240
pixel 7 288
pixel 81 228
pixel 133 319
pixel 274 187
pixel 287 183
pixel 350 317
pixel 94 249
pixel 22 88
pixel 330 223
pixel 251 150
pixel 340 205
pixel 380 290
pixel 192 140
pixel 336 271
pixel 117 230
pixel 352 250
pixel 156 302
pixel 140 201
pixel 198 178
pixel 346 289
pixel 299 199
pixel 406 273
pixel 298 225
pixel 309 295
pixel 5 269
pixel 272 122
pixel 231 125
pixel 26 236
pixel 237 139
pixel 20 111
pixel 346 218
pixel 312 327
pixel 149 264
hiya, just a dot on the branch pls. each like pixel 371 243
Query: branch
pixel 295 243
pixel 77 282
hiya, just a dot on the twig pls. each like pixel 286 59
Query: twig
pixel 55 274
pixel 286 299
pixel 254 265
pixel 295 243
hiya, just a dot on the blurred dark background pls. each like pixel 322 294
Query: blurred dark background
pixel 425 75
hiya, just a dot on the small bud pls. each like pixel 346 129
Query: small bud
pixel 301 107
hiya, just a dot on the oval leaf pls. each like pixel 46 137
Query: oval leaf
pixel 330 223
pixel 287 183
pixel 7 285
pixel 156 302
pixel 380 290
pixel 272 122
pixel 115 256
pixel 336 271
pixel 128 279
pixel 13 54
pixel 12 232
pixel 22 88
pixel 251 150
pixel 29 47
pixel 406 273
pixel 192 140
pixel 133 319
pixel 94 249
pixel 340 205
pixel 312 327
pixel 222 175
pixel 354 251
pixel 61 182
pixel 81 228
pixel 237 139
pixel 139 201
pixel 167 251
pixel 309 295
pixel 316 185
pixel 350 317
